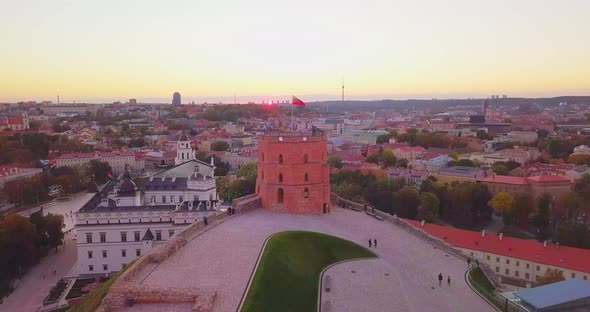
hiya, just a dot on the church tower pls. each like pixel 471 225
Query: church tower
pixel 184 151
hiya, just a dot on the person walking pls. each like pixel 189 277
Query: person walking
pixel 375 242
pixel 440 278
pixel 370 243
pixel 468 263
pixel 205 220
pixel 477 262
pixel 449 281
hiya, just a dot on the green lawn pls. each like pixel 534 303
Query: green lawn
pixel 94 299
pixel 288 274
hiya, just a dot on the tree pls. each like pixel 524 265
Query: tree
pixel 542 218
pixel 572 202
pixel 522 207
pixel 224 189
pixel 99 170
pixel 335 162
pixel 501 202
pixel 409 200
pixel 550 276
pixel 384 138
pixel 482 135
pixel 579 159
pixel 54 225
pixel 428 209
pixel 542 133
pixel 500 169
pixel 374 159
pixel 388 159
pixel 219 146
pixel 248 171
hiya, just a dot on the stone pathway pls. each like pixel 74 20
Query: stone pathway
pixel 223 258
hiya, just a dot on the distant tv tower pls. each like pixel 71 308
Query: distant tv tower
pixel 342 91
pixel 58 99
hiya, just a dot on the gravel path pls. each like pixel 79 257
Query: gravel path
pixel 223 258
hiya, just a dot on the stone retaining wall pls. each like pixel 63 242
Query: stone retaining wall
pixel 128 286
pixel 438 243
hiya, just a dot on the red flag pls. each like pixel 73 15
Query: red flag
pixel 297 101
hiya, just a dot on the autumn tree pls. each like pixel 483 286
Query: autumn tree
pixel 522 207
pixel 428 209
pixel 501 202
pixel 550 276
pixel 335 162
pixel 543 218
pixel 219 146
pixel 579 159
pixel 409 200
pixel 572 203
pixel 54 225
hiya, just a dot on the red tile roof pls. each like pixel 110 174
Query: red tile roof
pixel 530 250
pixel 549 178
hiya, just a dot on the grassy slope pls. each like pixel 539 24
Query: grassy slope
pixel 288 274
pixel 94 299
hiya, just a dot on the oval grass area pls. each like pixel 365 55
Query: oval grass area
pixel 288 274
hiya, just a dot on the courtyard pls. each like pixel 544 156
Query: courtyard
pixel 224 258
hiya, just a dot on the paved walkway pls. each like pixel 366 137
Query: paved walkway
pixel 223 259
pixel 33 287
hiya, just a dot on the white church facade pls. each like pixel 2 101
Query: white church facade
pixel 129 217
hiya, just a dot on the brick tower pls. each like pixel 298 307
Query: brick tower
pixel 293 174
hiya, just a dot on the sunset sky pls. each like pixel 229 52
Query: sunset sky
pixel 207 50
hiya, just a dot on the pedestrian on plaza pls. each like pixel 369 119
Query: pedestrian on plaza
pixel 440 278
pixel 375 242
pixel 468 263
pixel 477 262
pixel 205 220
pixel 449 280
pixel 370 243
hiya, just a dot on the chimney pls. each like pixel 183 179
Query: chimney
pixel 501 236
pixel 423 221
pixel 483 233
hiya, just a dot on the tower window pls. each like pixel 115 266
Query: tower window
pixel 280 158
pixel 305 158
pixel 280 196
pixel 280 178
pixel 306 193
pixel 306 177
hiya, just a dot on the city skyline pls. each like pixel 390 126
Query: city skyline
pixel 382 50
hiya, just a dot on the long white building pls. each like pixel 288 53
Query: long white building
pixel 129 217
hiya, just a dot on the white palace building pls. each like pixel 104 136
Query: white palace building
pixel 127 218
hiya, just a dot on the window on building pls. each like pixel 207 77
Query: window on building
pixel 527 275
pixel 105 267
pixel 90 268
pixel 136 236
pixel 538 268
pixel 170 233
pixel 262 174
pixel 280 158
pixel 573 275
pixel 104 253
pixel 497 259
pixel 306 177
pixel 163 198
pixel 180 198
pixel 123 253
pixel 516 273
pixel 158 235
pixel 488 257
pixel 280 195
pixel 507 261
pixel 89 238
pixel 306 193
pixel 89 254
pixel 507 271
pixel 497 269
pixel 103 237
pixel 171 198
pixel 123 236
pixel 528 265
pixel 137 252
pixel 517 263
pixel 305 158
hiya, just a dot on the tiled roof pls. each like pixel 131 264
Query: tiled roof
pixel 530 250
pixel 505 180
